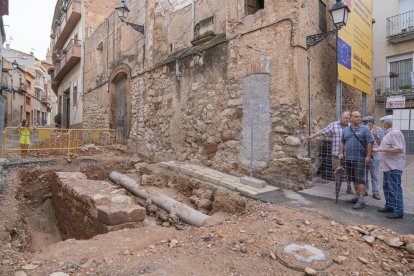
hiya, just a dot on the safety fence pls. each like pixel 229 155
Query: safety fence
pixel 55 141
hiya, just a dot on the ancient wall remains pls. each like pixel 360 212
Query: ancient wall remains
pixel 199 103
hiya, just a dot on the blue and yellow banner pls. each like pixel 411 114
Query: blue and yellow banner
pixel 355 46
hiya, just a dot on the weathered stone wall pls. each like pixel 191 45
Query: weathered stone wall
pixel 200 103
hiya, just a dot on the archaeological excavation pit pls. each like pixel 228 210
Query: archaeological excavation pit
pixel 82 201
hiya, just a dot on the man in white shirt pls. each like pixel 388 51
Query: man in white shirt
pixel 392 162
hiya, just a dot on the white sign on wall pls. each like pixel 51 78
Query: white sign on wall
pixel 179 4
pixel 395 102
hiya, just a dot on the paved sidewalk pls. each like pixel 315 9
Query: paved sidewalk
pixel 324 188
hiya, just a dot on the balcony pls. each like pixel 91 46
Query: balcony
pixel 39 86
pixel 67 23
pixel 400 27
pixel 68 59
pixel 401 85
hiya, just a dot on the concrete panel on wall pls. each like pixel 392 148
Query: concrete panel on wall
pixel 256 121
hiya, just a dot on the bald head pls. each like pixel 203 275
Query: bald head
pixel 355 118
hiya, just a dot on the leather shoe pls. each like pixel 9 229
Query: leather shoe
pixel 376 196
pixel 385 210
pixel 395 216
pixel 352 200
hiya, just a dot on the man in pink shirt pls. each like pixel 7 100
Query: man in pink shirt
pixel 392 162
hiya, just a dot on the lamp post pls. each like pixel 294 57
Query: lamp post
pixel 122 11
pixel 339 13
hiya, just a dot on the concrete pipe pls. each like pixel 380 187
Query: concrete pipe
pixel 183 212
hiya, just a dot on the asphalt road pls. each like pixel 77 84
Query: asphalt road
pixel 341 212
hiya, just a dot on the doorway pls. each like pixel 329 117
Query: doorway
pixel 119 107
pixel 66 109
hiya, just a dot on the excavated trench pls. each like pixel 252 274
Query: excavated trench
pixel 42 224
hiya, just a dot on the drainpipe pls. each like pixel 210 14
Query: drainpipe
pixel 80 84
pixel 192 18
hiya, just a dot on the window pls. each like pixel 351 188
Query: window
pixel 402 77
pixel 21 113
pixel 322 16
pixel 252 6
pixel 75 96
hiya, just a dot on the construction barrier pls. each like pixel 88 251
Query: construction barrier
pixel 57 140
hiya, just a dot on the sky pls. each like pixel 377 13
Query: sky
pixel 29 25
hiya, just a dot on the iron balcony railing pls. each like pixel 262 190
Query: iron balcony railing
pixel 396 84
pixel 400 24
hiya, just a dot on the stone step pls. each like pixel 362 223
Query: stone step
pixel 218 178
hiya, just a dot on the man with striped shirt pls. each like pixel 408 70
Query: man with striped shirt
pixel 335 129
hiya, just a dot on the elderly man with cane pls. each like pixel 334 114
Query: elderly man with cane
pixel 392 162
pixel 335 129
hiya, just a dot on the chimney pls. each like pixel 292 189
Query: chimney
pixel 7 45
pixel 31 53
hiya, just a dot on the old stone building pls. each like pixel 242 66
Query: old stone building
pixel 216 82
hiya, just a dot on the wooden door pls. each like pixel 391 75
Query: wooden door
pixel 122 122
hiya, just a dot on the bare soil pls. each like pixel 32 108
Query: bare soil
pixel 248 242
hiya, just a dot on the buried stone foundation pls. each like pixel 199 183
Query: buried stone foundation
pixel 85 208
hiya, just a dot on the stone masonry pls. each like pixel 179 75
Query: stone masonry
pixel 212 102
pixel 85 208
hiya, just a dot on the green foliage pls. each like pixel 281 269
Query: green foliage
pixel 405 86
pixel 393 75
pixel 58 119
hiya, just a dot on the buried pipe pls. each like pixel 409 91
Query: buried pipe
pixel 183 212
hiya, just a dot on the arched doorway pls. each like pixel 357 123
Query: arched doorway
pixel 120 115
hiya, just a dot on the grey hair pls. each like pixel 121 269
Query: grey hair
pixel 388 121
pixel 346 113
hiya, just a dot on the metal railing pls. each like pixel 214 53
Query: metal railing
pixel 57 141
pixel 400 24
pixel 400 84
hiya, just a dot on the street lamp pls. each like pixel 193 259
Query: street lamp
pixel 122 12
pixel 339 12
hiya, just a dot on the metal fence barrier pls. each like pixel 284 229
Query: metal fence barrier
pixel 57 140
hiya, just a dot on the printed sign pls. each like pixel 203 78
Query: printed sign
pixel 395 102
pixel 355 46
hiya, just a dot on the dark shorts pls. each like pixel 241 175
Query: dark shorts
pixel 355 171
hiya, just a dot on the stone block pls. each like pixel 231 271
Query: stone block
pixel 210 148
pixel 253 182
pixel 114 214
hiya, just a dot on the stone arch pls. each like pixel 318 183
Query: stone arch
pixel 120 102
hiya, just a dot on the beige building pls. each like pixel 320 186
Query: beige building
pixel 73 22
pixel 26 89
pixel 393 45
pixel 222 83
